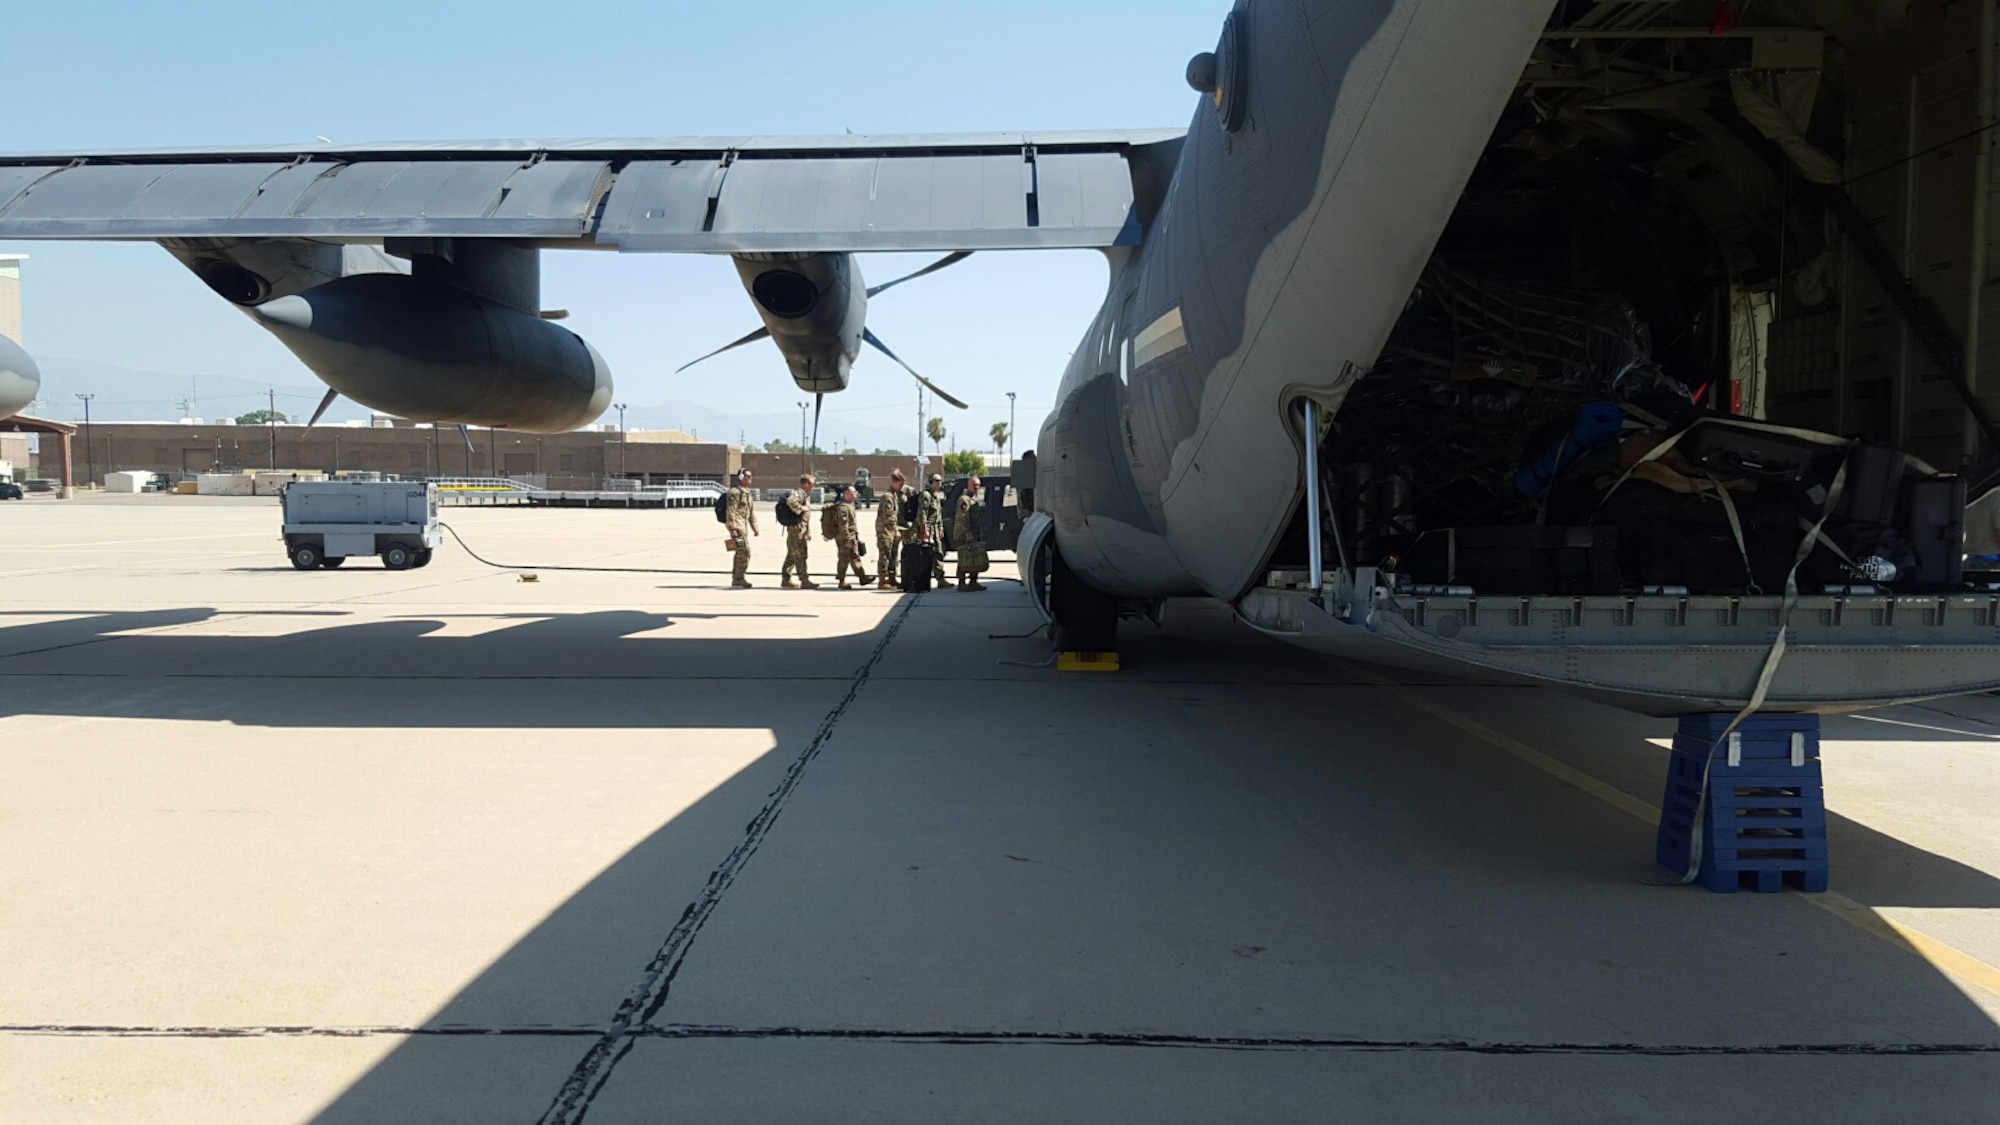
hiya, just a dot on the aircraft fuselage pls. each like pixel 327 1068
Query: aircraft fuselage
pixel 1273 272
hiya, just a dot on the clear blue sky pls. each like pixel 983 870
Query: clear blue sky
pixel 82 75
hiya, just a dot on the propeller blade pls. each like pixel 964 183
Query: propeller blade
pixel 323 404
pixel 750 339
pixel 466 433
pixel 951 259
pixel 874 341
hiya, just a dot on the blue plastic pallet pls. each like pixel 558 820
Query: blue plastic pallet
pixel 1763 818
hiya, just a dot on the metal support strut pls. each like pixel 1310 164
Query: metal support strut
pixel 1313 548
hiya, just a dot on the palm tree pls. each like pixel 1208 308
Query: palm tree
pixel 999 435
pixel 935 428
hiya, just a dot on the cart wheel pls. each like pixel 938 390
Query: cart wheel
pixel 305 556
pixel 398 556
pixel 423 558
pixel 329 564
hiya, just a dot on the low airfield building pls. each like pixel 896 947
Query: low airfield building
pixel 573 461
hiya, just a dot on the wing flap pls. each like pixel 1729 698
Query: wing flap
pixel 321 199
pixel 974 193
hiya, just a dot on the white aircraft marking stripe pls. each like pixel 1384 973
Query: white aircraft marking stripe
pixel 1160 337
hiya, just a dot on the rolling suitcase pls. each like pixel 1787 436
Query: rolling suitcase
pixel 917 568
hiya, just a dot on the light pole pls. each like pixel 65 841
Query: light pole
pixel 1010 433
pixel 802 437
pixel 620 407
pixel 89 449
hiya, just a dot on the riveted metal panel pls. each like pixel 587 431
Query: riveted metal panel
pixel 408 189
pixel 885 195
pixel 324 199
pixel 116 192
pixel 954 194
pixel 658 205
pixel 14 181
pixel 1086 191
pixel 278 198
pixel 88 192
pixel 194 191
pixel 124 201
pixel 556 189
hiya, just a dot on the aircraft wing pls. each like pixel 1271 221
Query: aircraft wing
pixel 992 191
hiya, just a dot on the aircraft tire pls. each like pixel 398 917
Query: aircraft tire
pixel 1086 618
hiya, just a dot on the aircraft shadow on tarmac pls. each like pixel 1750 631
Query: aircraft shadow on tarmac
pixel 857 918
pixel 858 923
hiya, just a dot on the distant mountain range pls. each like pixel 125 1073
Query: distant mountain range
pixel 123 394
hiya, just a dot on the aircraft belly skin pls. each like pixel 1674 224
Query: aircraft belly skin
pixel 1275 270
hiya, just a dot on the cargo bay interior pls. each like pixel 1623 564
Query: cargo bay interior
pixel 1720 286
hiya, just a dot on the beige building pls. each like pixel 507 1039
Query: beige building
pixel 575 461
pixel 10 296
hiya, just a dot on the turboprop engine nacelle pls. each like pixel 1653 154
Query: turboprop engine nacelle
pixel 815 308
pixel 430 351
pixel 20 379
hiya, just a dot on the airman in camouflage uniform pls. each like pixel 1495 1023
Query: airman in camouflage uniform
pixel 741 516
pixel 969 535
pixel 847 538
pixel 798 537
pixel 888 532
pixel 929 527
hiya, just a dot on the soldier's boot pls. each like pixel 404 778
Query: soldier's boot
pixel 807 583
pixel 972 583
pixel 885 583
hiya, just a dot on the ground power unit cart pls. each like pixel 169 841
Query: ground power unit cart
pixel 327 522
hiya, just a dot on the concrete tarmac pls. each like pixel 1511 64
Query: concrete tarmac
pixel 445 845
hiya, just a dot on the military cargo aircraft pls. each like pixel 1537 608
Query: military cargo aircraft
pixel 1438 338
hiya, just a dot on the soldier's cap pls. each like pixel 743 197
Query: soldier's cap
pixel 936 479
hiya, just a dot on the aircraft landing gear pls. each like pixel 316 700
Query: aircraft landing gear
pixel 1086 618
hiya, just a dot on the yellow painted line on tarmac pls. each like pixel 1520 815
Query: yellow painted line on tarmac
pixel 1943 957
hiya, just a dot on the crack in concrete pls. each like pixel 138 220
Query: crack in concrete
pixel 973 1037
pixel 646 999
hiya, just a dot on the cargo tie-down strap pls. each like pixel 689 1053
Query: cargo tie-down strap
pixel 1815 534
pixel 1764 676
